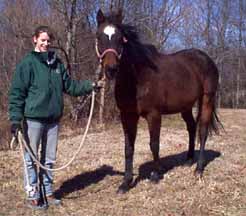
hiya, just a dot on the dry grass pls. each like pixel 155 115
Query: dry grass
pixel 89 186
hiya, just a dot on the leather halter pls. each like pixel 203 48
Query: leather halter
pixel 100 56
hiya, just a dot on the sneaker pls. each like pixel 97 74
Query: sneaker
pixel 51 200
pixel 36 205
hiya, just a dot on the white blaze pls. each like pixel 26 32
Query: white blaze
pixel 109 30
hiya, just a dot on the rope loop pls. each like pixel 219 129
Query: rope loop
pixel 24 145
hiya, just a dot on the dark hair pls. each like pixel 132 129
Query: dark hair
pixel 41 29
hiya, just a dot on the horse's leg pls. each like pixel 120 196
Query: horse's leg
pixel 129 123
pixel 204 121
pixel 191 128
pixel 154 124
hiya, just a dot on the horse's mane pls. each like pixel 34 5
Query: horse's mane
pixel 135 51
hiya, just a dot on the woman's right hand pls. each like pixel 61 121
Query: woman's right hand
pixel 98 85
pixel 15 127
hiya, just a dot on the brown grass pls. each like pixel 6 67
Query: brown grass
pixel 88 186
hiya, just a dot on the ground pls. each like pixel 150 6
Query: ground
pixel 89 185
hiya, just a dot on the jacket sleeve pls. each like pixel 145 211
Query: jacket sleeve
pixel 18 92
pixel 75 87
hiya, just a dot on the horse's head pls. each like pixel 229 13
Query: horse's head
pixel 109 42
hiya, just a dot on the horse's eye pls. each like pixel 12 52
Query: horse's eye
pixel 99 37
pixel 116 38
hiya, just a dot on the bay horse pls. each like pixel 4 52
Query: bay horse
pixel 149 84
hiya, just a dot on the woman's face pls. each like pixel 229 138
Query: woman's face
pixel 42 42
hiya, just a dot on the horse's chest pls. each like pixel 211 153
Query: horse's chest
pixel 143 92
pixel 134 98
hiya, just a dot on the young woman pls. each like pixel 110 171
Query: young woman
pixel 36 106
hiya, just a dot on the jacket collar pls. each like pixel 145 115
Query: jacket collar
pixel 46 57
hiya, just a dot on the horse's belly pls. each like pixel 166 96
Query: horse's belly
pixel 176 103
pixel 166 103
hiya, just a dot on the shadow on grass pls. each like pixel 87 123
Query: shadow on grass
pixel 172 161
pixel 84 180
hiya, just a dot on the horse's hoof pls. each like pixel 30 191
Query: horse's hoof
pixel 154 177
pixel 125 186
pixel 123 189
pixel 198 173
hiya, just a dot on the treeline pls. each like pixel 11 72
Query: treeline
pixel 215 26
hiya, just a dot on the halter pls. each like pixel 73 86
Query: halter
pixel 100 56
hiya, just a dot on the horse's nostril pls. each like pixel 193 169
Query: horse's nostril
pixel 111 71
pixel 113 68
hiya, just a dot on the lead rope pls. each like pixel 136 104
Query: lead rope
pixel 29 189
pixel 24 145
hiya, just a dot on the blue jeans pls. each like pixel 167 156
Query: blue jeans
pixel 46 134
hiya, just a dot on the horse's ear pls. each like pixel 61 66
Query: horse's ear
pixel 100 17
pixel 125 40
pixel 120 16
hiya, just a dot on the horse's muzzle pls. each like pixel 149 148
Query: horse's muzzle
pixel 111 71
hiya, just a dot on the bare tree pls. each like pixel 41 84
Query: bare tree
pixel 240 27
pixel 218 27
pixel 16 26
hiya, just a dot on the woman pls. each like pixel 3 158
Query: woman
pixel 36 106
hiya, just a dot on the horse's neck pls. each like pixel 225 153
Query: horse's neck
pixel 128 73
pixel 126 77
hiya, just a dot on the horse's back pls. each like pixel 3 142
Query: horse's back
pixel 182 78
pixel 190 67
pixel 195 59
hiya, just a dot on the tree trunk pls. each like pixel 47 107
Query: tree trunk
pixel 101 107
pixel 239 54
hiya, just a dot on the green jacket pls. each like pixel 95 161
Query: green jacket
pixel 38 85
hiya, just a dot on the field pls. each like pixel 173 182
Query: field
pixel 89 185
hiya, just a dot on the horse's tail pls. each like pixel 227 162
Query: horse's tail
pixel 214 123
pixel 207 102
